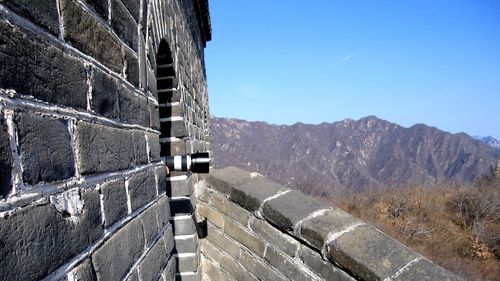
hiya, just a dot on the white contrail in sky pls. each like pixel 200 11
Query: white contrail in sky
pixel 348 57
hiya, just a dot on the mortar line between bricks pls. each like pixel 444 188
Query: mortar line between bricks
pixel 59 273
pixel 17 166
pixel 63 46
pixel 333 236
pixel 63 112
pixel 402 269
pixel 59 17
pixel 28 196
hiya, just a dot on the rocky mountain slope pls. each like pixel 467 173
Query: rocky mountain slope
pixel 491 141
pixel 350 155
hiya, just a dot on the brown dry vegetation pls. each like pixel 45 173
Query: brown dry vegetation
pixel 457 227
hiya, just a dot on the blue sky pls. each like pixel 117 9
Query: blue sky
pixel 433 62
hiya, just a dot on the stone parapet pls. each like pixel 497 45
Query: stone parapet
pixel 260 230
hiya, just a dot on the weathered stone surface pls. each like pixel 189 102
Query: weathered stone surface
pixel 149 222
pixel 369 254
pixel 83 271
pixel 104 95
pixel 132 67
pixel 161 180
pixel 41 12
pixel 171 110
pixel 177 147
pixel 187 262
pixel 87 34
pixel 154 117
pixel 276 238
pixel 323 269
pixel 288 209
pixel 100 6
pixel 181 206
pixel 140 147
pixel 425 270
pixel 169 271
pixel 133 277
pixel 316 230
pixel 180 188
pixel 176 128
pixel 156 259
pixel 163 211
pixel 115 201
pixel 141 188
pixel 37 239
pixel 210 251
pixel 133 7
pixel 286 266
pixel 183 225
pixel 229 208
pixel 154 147
pixel 45 146
pixel 212 271
pixel 260 270
pixel 114 259
pixel 243 236
pixel 186 244
pixel 103 149
pixel 211 214
pixel 134 109
pixel 32 67
pixel 124 24
pixel 235 269
pixel 218 239
pixel 5 159
pixel 224 180
pixel 168 238
pixel 251 194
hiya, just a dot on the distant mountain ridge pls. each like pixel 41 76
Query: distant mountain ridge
pixel 352 155
pixel 491 141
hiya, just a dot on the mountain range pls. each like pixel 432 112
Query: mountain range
pixel 491 141
pixel 351 155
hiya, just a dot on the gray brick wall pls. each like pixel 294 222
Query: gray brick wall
pixel 260 230
pixel 85 113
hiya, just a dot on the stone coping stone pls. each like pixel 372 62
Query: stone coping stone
pixel 225 179
pixel 252 194
pixel 369 254
pixel 287 210
pixel 424 270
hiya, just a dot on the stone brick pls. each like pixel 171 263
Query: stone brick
pixel 134 109
pixel 286 266
pixel 218 239
pixel 5 159
pixel 210 251
pixel 369 254
pixel 41 12
pixel 163 211
pixel 323 269
pixel 140 147
pixel 186 243
pixel 251 194
pixel 315 230
pixel 90 36
pixel 100 6
pixel 141 188
pixel 45 146
pixel 288 209
pixel 161 179
pixel 83 271
pixel 187 262
pixel 132 67
pixel 168 95
pixel 180 187
pixel 276 238
pixel 133 7
pixel 155 260
pixel 37 239
pixel 134 276
pixel 235 269
pixel 169 271
pixel 259 269
pixel 154 147
pixel 103 149
pixel 151 82
pixel 33 67
pixel 231 210
pixel 124 24
pixel 176 128
pixel 149 222
pixel 104 95
pixel 243 236
pixel 115 257
pixel 181 206
pixel 184 225
pixel 142 63
pixel 188 276
pixel 425 270
pixel 211 214
pixel 154 117
pixel 115 201
pixel 224 180
pixel 168 238
pixel 177 147
pixel 212 271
